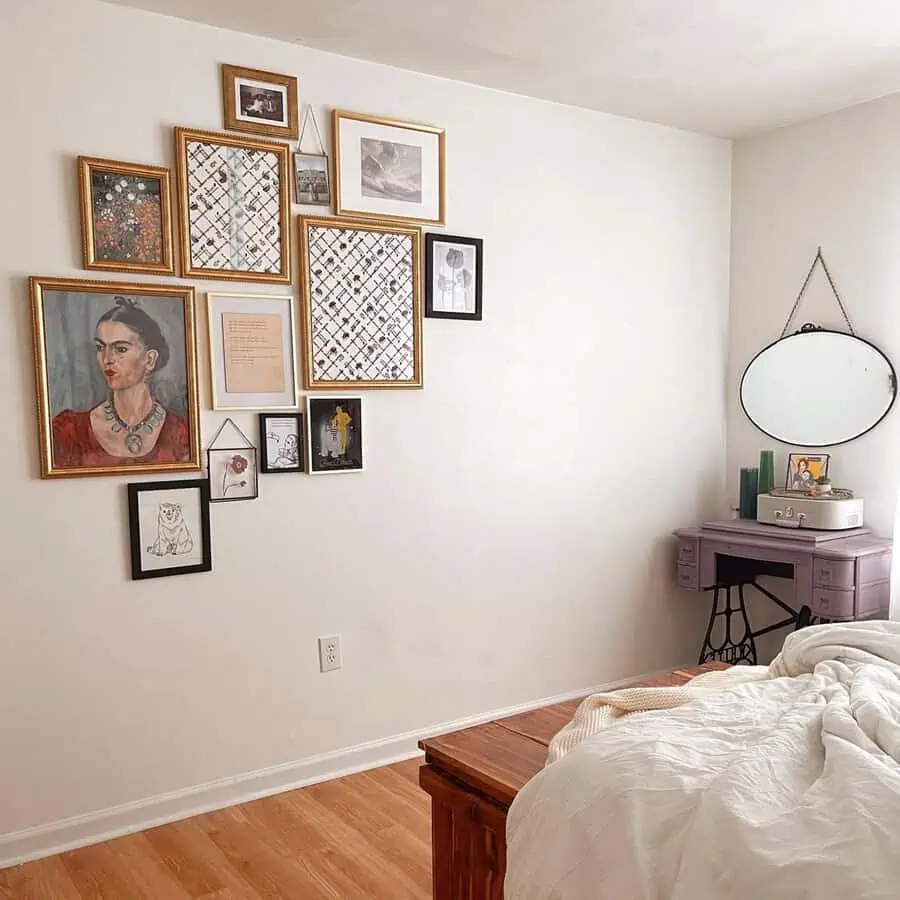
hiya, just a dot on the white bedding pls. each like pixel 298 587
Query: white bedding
pixel 782 788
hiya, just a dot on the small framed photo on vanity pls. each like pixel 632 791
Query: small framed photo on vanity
pixel 453 277
pixel 804 469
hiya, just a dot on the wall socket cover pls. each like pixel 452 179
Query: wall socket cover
pixel 330 653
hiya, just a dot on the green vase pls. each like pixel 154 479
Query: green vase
pixel 766 471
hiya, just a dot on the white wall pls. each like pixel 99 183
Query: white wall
pixel 509 540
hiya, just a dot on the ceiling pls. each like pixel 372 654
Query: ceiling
pixel 723 67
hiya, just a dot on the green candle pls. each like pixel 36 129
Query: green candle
pixel 766 471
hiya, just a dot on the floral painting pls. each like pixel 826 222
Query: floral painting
pixel 232 474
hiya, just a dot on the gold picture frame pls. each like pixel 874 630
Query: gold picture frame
pixel 207 206
pixel 259 102
pixel 412 191
pixel 344 264
pixel 112 340
pixel 122 195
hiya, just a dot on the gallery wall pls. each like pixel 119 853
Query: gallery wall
pixel 509 540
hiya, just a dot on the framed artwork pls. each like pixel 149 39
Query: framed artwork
pixel 126 217
pixel 260 102
pixel 335 429
pixel 453 277
pixel 362 308
pixel 235 207
pixel 116 376
pixel 252 357
pixel 169 525
pixel 231 465
pixel 281 442
pixel 312 186
pixel 386 169
pixel 804 468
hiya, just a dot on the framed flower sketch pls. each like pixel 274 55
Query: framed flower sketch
pixel 453 277
pixel 281 442
pixel 126 217
pixel 804 468
pixel 231 465
pixel 235 207
pixel 169 525
pixel 362 308
pixel 311 182
pixel 260 102
pixel 252 357
pixel 335 429
pixel 386 169
pixel 116 376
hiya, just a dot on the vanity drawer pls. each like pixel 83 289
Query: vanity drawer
pixel 876 567
pixel 689 577
pixel 838 573
pixel 832 604
pixel 688 552
pixel 874 600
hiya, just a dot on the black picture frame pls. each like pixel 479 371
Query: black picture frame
pixel 170 540
pixel 822 459
pixel 432 273
pixel 249 457
pixel 268 466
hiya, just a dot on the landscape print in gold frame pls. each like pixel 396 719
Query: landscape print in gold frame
pixel 234 205
pixel 389 170
pixel 361 289
pixel 126 216
pixel 258 102
pixel 116 375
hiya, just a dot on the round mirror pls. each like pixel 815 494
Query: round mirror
pixel 818 388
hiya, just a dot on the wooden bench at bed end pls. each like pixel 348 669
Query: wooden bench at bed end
pixel 474 775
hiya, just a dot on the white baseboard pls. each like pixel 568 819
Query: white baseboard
pixel 91 828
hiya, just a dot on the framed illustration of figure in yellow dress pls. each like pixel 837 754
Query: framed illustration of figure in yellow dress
pixel 335 434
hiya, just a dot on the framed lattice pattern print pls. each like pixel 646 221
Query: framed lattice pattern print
pixel 235 207
pixel 362 308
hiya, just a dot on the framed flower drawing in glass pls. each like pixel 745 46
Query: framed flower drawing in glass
pixel 453 277
pixel 231 464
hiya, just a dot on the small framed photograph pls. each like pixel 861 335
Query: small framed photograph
pixel 386 169
pixel 126 217
pixel 232 474
pixel 453 277
pixel 335 434
pixel 259 102
pixel 281 442
pixel 169 525
pixel 252 355
pixel 312 185
pixel 804 469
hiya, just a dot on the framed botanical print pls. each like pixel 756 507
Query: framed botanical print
pixel 169 524
pixel 126 216
pixel 312 186
pixel 385 169
pixel 231 465
pixel 260 102
pixel 335 429
pixel 281 442
pixel 235 207
pixel 453 277
pixel 362 310
pixel 116 377
pixel 252 358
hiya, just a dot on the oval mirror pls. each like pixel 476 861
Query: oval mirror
pixel 818 388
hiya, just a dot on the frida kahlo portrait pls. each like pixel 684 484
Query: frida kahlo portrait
pixel 116 375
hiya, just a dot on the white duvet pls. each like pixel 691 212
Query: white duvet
pixel 782 788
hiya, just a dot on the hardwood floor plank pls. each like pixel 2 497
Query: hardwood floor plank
pixel 46 879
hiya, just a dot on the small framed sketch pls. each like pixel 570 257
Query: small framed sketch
pixel 235 207
pixel 252 356
pixel 169 525
pixel 260 102
pixel 126 217
pixel 231 465
pixel 335 429
pixel 386 169
pixel 804 468
pixel 281 442
pixel 453 277
pixel 311 182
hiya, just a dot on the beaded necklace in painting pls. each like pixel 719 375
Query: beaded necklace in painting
pixel 134 442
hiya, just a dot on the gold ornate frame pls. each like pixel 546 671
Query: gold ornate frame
pixel 86 164
pixel 230 73
pixel 185 294
pixel 185 135
pixel 339 208
pixel 306 311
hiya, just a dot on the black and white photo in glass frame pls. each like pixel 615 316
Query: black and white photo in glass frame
pixel 281 442
pixel 453 277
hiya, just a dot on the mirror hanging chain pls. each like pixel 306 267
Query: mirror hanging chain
pixel 819 260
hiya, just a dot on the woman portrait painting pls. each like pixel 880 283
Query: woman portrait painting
pixel 116 377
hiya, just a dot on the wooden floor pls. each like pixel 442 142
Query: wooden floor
pixel 363 837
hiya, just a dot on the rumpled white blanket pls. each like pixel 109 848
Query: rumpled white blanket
pixel 783 786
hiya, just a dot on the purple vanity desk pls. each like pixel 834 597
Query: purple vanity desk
pixel 837 576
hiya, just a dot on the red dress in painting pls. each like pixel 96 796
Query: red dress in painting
pixel 76 446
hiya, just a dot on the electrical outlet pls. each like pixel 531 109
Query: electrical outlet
pixel 330 653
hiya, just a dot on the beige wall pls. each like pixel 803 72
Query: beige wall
pixel 509 540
